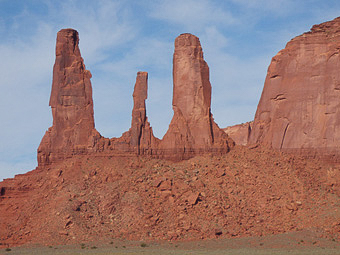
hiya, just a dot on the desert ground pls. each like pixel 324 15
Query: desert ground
pixel 304 242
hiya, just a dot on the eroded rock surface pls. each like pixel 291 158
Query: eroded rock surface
pixel 142 138
pixel 192 129
pixel 191 132
pixel 299 107
pixel 247 192
pixel 239 133
pixel 71 103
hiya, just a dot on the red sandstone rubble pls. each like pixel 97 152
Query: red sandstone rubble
pixel 299 106
pixel 246 192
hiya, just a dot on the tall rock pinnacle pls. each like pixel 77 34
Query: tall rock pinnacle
pixel 142 138
pixel 299 106
pixel 71 103
pixel 192 129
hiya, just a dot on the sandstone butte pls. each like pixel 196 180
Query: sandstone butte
pixel 192 130
pixel 299 107
pixel 88 188
pixel 239 133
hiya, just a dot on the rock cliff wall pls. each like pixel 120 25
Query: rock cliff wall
pixel 299 107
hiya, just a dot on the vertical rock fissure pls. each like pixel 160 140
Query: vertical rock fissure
pixel 284 135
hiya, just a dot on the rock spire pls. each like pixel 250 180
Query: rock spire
pixel 142 139
pixel 192 129
pixel 70 101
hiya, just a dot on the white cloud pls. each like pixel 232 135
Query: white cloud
pixel 119 38
pixel 191 14
pixel 102 26
pixel 25 78
pixel 26 71
pixel 279 7
pixel 115 90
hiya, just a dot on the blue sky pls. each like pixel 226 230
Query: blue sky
pixel 120 38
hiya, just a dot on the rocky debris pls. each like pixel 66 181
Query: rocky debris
pixel 299 107
pixel 239 133
pixel 192 130
pixel 71 103
pixel 242 193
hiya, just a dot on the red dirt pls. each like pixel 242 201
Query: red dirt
pixel 247 192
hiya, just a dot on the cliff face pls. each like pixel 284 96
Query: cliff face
pixel 299 106
pixel 192 130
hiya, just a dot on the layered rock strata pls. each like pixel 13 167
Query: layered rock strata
pixel 192 129
pixel 299 107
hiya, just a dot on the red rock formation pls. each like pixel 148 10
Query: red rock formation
pixel 141 136
pixel 71 103
pixel 192 129
pixel 245 192
pixel 239 133
pixel 299 107
pixel 91 199
pixel 191 132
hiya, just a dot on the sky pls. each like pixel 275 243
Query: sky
pixel 120 38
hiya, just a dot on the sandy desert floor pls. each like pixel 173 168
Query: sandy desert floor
pixel 304 242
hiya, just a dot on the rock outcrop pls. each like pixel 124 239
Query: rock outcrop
pixel 142 140
pixel 239 133
pixel 192 129
pixel 299 107
pixel 247 192
pixel 71 102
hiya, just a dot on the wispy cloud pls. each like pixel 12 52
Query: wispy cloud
pixel 277 6
pixel 119 38
pixel 27 61
pixel 147 54
pixel 191 14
